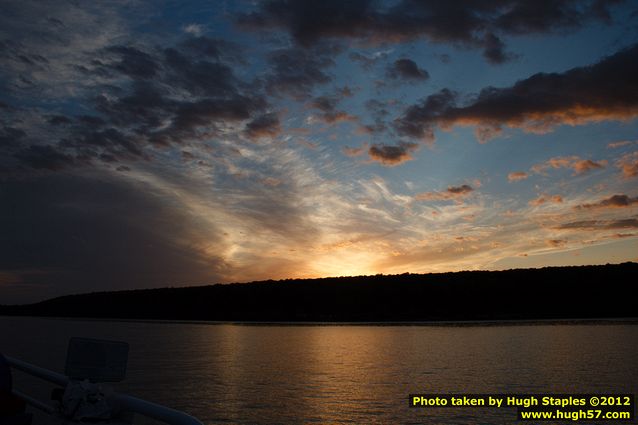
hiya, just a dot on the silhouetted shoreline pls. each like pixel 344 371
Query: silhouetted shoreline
pixel 467 298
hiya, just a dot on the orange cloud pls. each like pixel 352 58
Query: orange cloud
pixel 579 165
pixel 353 151
pixel 555 199
pixel 556 243
pixel 629 165
pixel 517 175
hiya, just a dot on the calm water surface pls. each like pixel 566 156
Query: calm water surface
pixel 244 374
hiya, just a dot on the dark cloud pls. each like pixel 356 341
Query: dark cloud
pixel 133 62
pixel 607 90
pixel 213 48
pixel 465 22
pixel 345 91
pixel 194 114
pixel 329 112
pixel 45 157
pixel 64 234
pixel 460 190
pixel 266 125
pixel 200 77
pixel 325 103
pixel 189 117
pixel 392 154
pixel 295 72
pixel 110 144
pixel 527 17
pixel 626 223
pixel 455 193
pixel 494 50
pixel 614 201
pixel 407 70
pixel 308 22
pixel 372 129
pixel 379 110
pixel 14 51
pixel 91 120
pixel 11 137
pixel 417 121
pixel 444 57
pixel 144 105
pixel 58 120
pixel 155 97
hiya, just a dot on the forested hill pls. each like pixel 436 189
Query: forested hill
pixel 549 293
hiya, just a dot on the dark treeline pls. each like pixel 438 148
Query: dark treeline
pixel 550 293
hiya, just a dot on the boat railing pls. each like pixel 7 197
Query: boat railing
pixel 123 402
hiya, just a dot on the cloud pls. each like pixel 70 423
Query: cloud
pixel 614 201
pixel 470 23
pixel 627 223
pixel 41 43
pixel 209 78
pixel 586 165
pixel 330 114
pixel 216 49
pixel 624 235
pixel 155 97
pixel 620 143
pixel 579 165
pixel 378 110
pixel 266 125
pixel 406 70
pixel 11 137
pixel 348 151
pixel 594 93
pixel 517 175
pixel 451 193
pixel 494 50
pixel 295 72
pixel 392 154
pixel 368 61
pixel 556 243
pixel 45 157
pixel 628 164
pixel 83 234
pixel 131 62
pixel 193 29
pixel 417 120
pixel 555 199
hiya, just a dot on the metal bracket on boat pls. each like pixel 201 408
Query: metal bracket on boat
pixel 84 399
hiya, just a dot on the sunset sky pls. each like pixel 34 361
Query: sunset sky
pixel 168 143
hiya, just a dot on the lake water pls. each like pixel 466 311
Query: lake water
pixel 250 374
